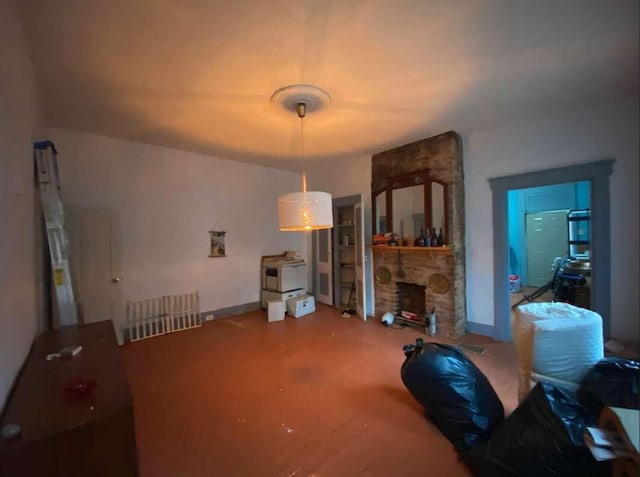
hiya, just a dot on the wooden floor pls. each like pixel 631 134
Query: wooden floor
pixel 547 296
pixel 316 396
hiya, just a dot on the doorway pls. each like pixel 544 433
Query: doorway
pixel 549 244
pixel 339 256
pixel 597 174
pixel 540 229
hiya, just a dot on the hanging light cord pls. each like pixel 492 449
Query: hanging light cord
pixel 301 109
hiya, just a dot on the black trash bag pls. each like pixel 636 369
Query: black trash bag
pixel 456 395
pixel 611 382
pixel 542 437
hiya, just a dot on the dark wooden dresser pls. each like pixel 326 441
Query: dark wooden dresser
pixel 66 435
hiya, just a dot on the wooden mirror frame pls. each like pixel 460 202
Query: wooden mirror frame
pixel 445 205
pixel 409 180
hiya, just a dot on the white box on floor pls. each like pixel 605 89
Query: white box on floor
pixel 301 306
pixel 275 310
pixel 267 295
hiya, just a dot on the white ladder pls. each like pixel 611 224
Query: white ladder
pixel 44 154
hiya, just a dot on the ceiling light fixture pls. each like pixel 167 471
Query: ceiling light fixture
pixel 305 210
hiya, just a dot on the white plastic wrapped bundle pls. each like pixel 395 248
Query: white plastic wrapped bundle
pixel 557 340
pixel 567 348
pixel 536 378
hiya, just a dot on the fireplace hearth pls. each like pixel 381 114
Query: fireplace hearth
pixel 411 301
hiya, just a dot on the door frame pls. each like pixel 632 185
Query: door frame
pixel 336 203
pixel 359 238
pixel 597 173
pixel 347 201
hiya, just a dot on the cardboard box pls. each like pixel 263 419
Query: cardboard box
pixel 301 306
pixel 275 310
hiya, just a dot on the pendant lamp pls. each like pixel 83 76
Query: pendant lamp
pixel 304 210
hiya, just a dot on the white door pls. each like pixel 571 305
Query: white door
pixel 95 260
pixel 547 238
pixel 324 269
pixel 361 308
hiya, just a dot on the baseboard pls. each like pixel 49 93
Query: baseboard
pixel 231 310
pixel 480 329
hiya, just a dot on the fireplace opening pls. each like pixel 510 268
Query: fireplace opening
pixel 411 304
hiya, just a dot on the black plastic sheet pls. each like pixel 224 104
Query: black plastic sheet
pixel 612 382
pixel 454 392
pixel 542 437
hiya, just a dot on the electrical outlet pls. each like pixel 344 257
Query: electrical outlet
pixel 208 317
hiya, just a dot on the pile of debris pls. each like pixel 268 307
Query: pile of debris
pixel 544 436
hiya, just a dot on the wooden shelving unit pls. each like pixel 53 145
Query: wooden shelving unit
pixel 346 255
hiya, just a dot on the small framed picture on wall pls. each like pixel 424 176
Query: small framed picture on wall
pixel 217 246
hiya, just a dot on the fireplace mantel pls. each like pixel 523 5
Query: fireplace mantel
pixel 404 248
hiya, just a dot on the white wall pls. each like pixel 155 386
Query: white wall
pixel 20 267
pixel 568 137
pixel 341 177
pixel 166 201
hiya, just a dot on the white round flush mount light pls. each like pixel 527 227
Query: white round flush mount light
pixel 287 98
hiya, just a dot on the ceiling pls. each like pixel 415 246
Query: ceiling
pixel 198 75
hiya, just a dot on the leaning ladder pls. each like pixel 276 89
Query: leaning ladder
pixel 48 183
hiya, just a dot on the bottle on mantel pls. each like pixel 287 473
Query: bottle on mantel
pixel 421 239
pixel 428 239
pixel 434 238
pixel 440 238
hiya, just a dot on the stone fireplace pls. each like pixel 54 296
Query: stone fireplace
pixel 438 271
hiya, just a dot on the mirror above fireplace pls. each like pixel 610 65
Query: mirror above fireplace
pixel 408 203
pixel 380 213
pixel 408 210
